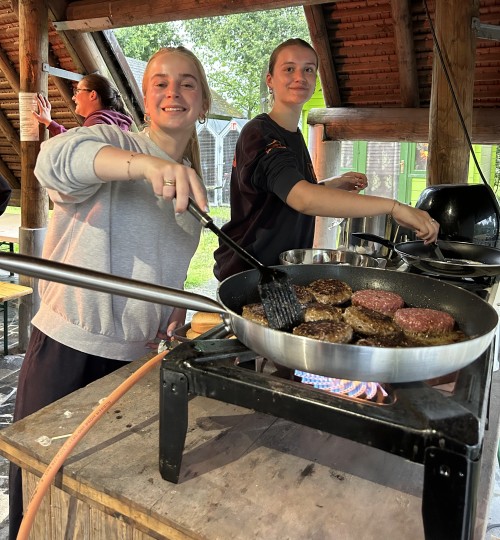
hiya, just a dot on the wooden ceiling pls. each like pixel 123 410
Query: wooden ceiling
pixel 373 53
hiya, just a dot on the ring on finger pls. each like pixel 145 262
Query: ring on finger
pixel 169 182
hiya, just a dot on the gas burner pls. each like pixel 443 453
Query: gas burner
pixel 443 432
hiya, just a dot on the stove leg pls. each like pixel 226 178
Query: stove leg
pixel 173 423
pixel 449 495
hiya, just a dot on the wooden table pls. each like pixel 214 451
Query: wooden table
pixel 244 474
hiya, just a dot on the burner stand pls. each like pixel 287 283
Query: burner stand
pixel 444 433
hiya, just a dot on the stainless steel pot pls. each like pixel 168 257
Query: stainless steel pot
pixel 331 256
pixel 383 225
pixel 474 316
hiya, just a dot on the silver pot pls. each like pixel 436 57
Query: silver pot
pixel 333 256
pixel 384 224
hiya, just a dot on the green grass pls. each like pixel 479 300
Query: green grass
pixel 201 267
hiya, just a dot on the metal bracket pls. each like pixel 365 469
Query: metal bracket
pixel 85 25
pixel 485 31
pixel 62 73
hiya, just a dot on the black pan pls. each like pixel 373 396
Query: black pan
pixel 474 316
pixel 462 259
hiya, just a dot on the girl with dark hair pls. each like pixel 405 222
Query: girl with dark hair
pixel 96 99
pixel 275 196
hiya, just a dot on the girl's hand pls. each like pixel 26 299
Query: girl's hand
pixel 426 228
pixel 44 108
pixel 176 320
pixel 350 181
pixel 170 180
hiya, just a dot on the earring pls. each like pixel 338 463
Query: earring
pixel 202 119
pixel 271 91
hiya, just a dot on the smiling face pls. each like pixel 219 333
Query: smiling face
pixel 293 77
pixel 173 93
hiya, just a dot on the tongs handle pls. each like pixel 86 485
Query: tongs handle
pixel 208 223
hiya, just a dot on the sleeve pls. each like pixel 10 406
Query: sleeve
pixel 5 193
pixel 56 129
pixel 65 164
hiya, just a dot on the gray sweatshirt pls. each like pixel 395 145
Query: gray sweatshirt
pixel 120 228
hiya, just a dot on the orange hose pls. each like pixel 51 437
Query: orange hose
pixel 58 460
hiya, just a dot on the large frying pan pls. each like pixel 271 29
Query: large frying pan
pixel 462 259
pixel 474 316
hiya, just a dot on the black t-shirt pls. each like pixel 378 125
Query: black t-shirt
pixel 268 162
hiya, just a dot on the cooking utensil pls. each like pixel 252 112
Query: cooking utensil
pixel 332 256
pixel 461 259
pixel 276 293
pixel 474 316
pixel 438 252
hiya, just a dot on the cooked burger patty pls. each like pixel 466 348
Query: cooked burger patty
pixel 393 341
pixel 428 340
pixel 382 301
pixel 322 312
pixel 304 295
pixel 370 323
pixel 430 322
pixel 330 291
pixel 255 313
pixel 332 331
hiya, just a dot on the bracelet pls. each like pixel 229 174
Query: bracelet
pixel 393 206
pixel 129 161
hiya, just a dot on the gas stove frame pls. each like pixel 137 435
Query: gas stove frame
pixel 443 432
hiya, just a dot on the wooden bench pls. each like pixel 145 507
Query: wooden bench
pixel 8 292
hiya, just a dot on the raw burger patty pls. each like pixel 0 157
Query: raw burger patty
pixel 322 312
pixel 382 301
pixel 330 291
pixel 335 332
pixel 370 323
pixel 255 313
pixel 424 321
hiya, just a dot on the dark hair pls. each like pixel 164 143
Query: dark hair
pixel 284 45
pixel 108 94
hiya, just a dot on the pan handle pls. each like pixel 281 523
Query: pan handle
pixel 99 281
pixel 374 238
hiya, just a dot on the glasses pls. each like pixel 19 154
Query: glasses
pixel 76 91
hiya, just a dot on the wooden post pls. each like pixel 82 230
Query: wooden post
pixel 33 52
pixel 448 161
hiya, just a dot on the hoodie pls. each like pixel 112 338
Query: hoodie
pixel 102 116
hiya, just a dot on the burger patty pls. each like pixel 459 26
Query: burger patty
pixel 304 295
pixel 322 312
pixel 332 331
pixel 382 301
pixel 398 340
pixel 425 321
pixel 255 313
pixel 330 291
pixel 370 323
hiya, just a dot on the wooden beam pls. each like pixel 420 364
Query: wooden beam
pixel 9 71
pixel 407 64
pixel 319 37
pixel 10 133
pixel 448 147
pixel 397 124
pixel 92 15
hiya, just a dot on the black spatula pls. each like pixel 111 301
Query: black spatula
pixel 276 292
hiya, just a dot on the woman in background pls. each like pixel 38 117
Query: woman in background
pixel 114 212
pixel 274 192
pixel 96 99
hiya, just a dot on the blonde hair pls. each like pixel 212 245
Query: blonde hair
pixel 192 150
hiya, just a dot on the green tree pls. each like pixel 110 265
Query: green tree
pixel 140 42
pixel 235 50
